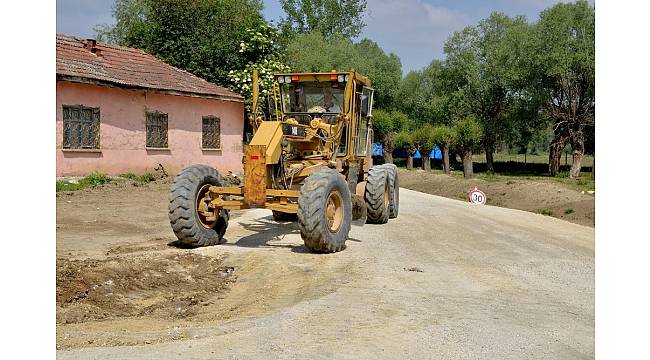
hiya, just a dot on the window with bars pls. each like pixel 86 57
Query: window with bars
pixel 211 132
pixel 80 127
pixel 156 129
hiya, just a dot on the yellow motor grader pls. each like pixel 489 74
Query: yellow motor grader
pixel 310 158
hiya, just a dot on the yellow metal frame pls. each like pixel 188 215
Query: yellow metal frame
pixel 280 200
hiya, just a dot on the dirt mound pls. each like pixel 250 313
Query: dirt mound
pixel 173 285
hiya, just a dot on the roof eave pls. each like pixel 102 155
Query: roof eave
pixel 100 82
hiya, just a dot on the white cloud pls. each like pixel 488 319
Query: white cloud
pixel 413 29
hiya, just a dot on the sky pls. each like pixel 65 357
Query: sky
pixel 415 30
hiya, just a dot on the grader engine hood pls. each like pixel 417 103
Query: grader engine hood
pixel 269 134
pixel 265 148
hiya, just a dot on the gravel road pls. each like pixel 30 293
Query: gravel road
pixel 445 280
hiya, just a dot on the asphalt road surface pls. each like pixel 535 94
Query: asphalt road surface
pixel 445 280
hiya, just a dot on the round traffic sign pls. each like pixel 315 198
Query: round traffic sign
pixel 477 196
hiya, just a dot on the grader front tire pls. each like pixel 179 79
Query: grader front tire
pixel 325 211
pixel 190 227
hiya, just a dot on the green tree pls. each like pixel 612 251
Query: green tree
pixel 328 17
pixel 562 61
pixel 404 140
pixel 200 36
pixel 469 135
pixel 386 125
pixel 479 64
pixel 312 52
pixel 261 48
pixel 422 95
pixel 445 137
pixel 425 141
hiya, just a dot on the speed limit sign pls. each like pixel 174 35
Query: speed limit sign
pixel 477 196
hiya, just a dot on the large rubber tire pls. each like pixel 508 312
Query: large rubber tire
pixel 393 190
pixel 183 215
pixel 312 211
pixel 282 216
pixel 377 195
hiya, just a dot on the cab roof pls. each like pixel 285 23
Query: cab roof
pixel 324 76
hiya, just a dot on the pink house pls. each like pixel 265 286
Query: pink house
pixel 122 110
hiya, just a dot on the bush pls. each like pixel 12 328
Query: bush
pixel 547 212
pixel 147 177
pixel 144 178
pixel 92 180
pixel 130 176
pixel 67 186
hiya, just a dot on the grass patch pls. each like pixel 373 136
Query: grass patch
pixel 489 176
pixel 67 186
pixel 568 211
pixel 144 178
pixel 547 212
pixel 541 158
pixel 92 180
pixel 584 183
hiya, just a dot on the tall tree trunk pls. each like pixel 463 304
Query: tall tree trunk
pixel 426 160
pixel 389 146
pixel 409 159
pixel 593 167
pixel 445 160
pixel 489 156
pixel 578 146
pixel 468 168
pixel 388 156
pixel 555 154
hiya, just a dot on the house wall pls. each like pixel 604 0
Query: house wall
pixel 123 136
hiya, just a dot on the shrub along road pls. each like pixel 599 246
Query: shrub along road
pixel 444 280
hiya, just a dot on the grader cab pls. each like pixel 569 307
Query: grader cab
pixel 310 160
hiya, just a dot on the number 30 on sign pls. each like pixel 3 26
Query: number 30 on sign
pixel 477 196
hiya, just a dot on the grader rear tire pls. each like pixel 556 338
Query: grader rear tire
pixel 325 211
pixel 377 195
pixel 190 227
pixel 393 190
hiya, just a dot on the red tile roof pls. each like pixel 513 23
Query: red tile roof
pixel 127 67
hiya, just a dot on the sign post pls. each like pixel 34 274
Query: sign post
pixel 477 196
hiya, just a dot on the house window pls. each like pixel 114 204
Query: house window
pixel 156 130
pixel 80 127
pixel 211 132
